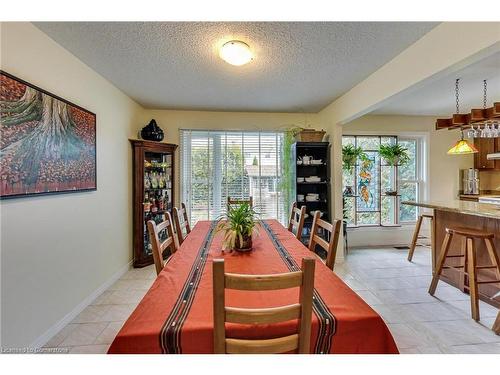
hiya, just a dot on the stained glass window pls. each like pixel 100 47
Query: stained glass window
pixel 369 188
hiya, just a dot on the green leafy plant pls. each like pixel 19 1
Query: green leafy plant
pixel 238 224
pixel 350 155
pixel 394 154
pixel 287 182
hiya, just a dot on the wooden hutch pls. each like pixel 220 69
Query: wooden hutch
pixel 153 191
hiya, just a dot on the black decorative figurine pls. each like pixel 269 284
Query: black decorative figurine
pixel 152 132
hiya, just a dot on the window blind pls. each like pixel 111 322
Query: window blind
pixel 216 165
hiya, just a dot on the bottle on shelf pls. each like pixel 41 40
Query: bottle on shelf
pixel 147 203
pixel 154 207
pixel 154 181
pixel 167 201
pixel 147 181
pixel 161 201
pixel 157 201
pixel 161 182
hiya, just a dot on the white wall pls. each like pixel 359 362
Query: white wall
pixel 443 169
pixel 57 250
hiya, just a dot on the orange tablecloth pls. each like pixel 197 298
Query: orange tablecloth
pixel 175 315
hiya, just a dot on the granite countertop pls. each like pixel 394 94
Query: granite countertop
pixel 464 207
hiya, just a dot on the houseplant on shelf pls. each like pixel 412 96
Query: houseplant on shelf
pixel 350 156
pixel 238 225
pixel 394 155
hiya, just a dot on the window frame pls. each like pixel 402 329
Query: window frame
pixel 185 152
pixel 422 175
pixel 420 169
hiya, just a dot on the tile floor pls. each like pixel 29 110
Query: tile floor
pixel 395 288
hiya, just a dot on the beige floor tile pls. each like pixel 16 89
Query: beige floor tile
pixel 485 310
pixel 103 298
pixel 458 332
pixel 140 273
pixel 132 284
pixel 83 334
pixel 60 336
pixel 388 284
pixel 476 349
pixel 118 313
pixel 390 314
pixel 404 296
pixel 354 284
pixel 92 314
pixel 430 312
pixel 407 337
pixel 125 296
pixel 434 349
pixel 413 350
pixel 108 335
pixel 369 297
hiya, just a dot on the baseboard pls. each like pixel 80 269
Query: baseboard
pixel 54 330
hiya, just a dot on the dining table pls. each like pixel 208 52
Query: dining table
pixel 176 314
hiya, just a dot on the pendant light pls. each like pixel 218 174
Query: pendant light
pixel 462 147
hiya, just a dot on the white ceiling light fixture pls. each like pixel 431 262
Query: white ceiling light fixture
pixel 236 52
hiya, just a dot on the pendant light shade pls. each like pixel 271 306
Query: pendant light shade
pixel 462 147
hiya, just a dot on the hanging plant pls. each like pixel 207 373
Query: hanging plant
pixel 394 154
pixel 350 155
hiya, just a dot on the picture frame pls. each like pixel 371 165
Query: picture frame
pixel 48 144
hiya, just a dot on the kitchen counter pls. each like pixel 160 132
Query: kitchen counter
pixel 471 215
pixel 463 207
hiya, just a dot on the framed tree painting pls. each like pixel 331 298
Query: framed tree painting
pixel 47 144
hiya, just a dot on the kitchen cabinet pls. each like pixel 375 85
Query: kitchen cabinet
pixel 486 146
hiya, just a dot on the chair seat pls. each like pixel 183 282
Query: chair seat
pixel 467 232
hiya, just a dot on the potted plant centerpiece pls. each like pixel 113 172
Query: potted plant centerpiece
pixel 350 156
pixel 394 155
pixel 238 225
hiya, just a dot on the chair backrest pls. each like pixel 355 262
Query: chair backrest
pixel 299 341
pixel 330 246
pixel 181 221
pixel 240 201
pixel 160 246
pixel 296 222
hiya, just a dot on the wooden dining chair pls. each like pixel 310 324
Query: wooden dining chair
pixel 181 221
pixel 330 246
pixel 299 341
pixel 296 222
pixel 160 246
pixel 239 201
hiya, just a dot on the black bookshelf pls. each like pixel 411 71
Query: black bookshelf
pixel 316 150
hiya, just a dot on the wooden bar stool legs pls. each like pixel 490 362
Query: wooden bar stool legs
pixel 471 269
pixel 417 232
pixel 469 265
pixel 440 263
pixel 496 325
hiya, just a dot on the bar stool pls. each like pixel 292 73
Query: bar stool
pixel 417 232
pixel 469 255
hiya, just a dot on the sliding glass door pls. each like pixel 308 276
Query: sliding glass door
pixel 216 165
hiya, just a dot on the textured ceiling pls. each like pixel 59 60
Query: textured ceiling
pixel 298 66
pixel 438 97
